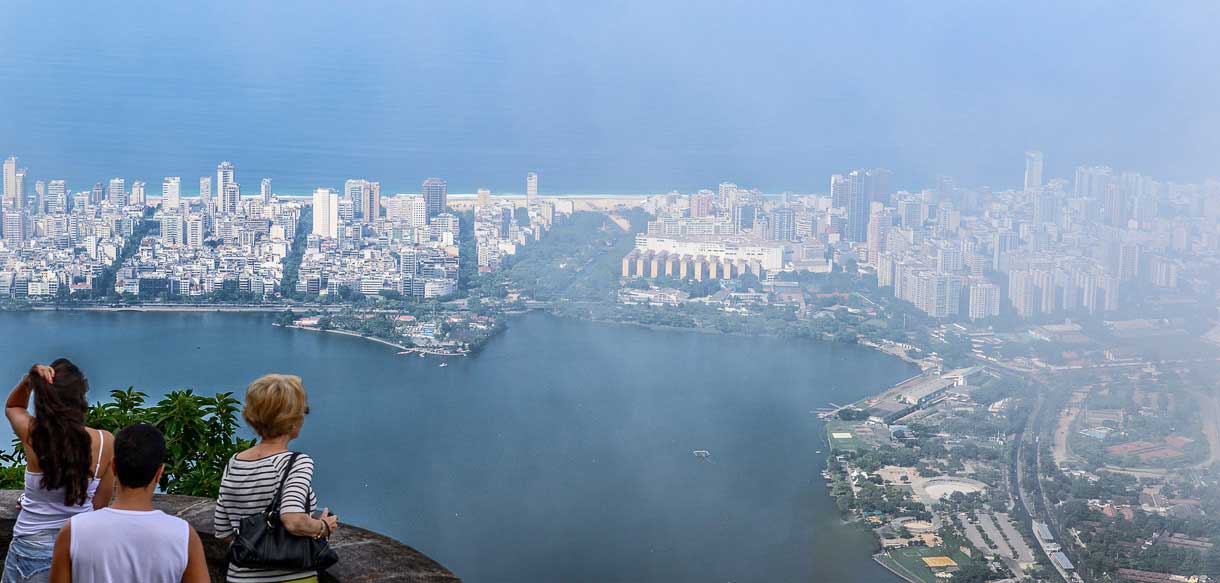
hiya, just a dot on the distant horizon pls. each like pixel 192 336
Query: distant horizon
pixel 149 183
pixel 633 97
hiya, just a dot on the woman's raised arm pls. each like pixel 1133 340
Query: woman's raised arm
pixel 17 408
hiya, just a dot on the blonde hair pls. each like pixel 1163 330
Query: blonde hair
pixel 275 403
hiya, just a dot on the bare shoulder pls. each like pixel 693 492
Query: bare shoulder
pixel 106 437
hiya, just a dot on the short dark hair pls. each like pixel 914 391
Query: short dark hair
pixel 139 451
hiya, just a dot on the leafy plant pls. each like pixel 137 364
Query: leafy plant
pixel 200 435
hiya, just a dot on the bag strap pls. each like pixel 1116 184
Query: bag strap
pixel 274 506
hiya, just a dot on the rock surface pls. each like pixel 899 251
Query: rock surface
pixel 364 556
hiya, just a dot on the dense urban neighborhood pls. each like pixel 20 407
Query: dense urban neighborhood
pixel 1064 424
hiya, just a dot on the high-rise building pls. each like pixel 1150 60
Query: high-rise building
pixel 40 197
pixel 13 227
pixel 411 209
pixel 1023 293
pixel 1033 170
pixel 1005 241
pixel 10 180
pixel 230 197
pixel 353 190
pixel 483 199
pixel 225 175
pixel 1046 298
pixel 857 204
pixel 949 258
pixel 701 204
pixel 264 190
pixel 531 187
pixel 171 193
pixel 783 224
pixel 1114 206
pixel 347 211
pixel 1129 261
pixel 840 190
pixel 57 197
pixel 365 197
pixel 117 192
pixel 325 213
pixel 726 194
pixel 743 217
pixel 1046 206
pixel 205 193
pixel 910 212
pixel 885 268
pixel 1091 181
pixel 370 206
pixel 137 193
pixel 194 232
pixel 984 299
pixel 876 184
pixel 436 194
pixel 19 201
pixel 879 224
pixel 173 231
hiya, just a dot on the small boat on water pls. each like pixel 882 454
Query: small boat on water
pixel 444 364
pixel 818 451
pixel 702 453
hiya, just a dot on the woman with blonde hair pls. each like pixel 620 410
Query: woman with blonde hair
pixel 276 406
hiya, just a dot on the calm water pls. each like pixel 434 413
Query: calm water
pixel 630 96
pixel 560 453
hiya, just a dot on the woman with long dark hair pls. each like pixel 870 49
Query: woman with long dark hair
pixel 68 464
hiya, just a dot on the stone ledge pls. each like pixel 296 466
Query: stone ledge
pixel 364 556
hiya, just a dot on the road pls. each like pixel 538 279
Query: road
pixel 1029 490
pixel 1209 409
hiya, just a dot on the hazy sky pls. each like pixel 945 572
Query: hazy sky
pixel 638 96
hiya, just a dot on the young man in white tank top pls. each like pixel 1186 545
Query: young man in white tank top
pixel 129 540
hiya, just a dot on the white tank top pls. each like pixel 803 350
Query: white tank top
pixel 43 509
pixel 121 546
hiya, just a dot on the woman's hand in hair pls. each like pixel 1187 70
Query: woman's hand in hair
pixel 47 373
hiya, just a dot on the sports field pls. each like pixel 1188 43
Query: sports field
pixel 909 562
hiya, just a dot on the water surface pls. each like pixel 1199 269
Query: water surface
pixel 562 452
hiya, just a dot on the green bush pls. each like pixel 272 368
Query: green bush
pixel 200 434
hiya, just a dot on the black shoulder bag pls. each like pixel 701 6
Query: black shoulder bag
pixel 263 542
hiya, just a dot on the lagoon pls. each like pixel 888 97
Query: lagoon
pixel 561 452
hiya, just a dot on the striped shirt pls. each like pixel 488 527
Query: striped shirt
pixel 247 488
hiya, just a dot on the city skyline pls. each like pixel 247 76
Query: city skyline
pixel 1034 172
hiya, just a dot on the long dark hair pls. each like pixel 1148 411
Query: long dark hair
pixel 58 437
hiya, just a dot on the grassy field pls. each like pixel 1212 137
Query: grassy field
pixel 849 444
pixel 855 435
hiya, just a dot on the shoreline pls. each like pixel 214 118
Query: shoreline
pixel 276 309
pixel 400 347
pixel 347 333
pixel 174 308
pixel 877 558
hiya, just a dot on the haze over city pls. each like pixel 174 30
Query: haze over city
pixel 650 291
